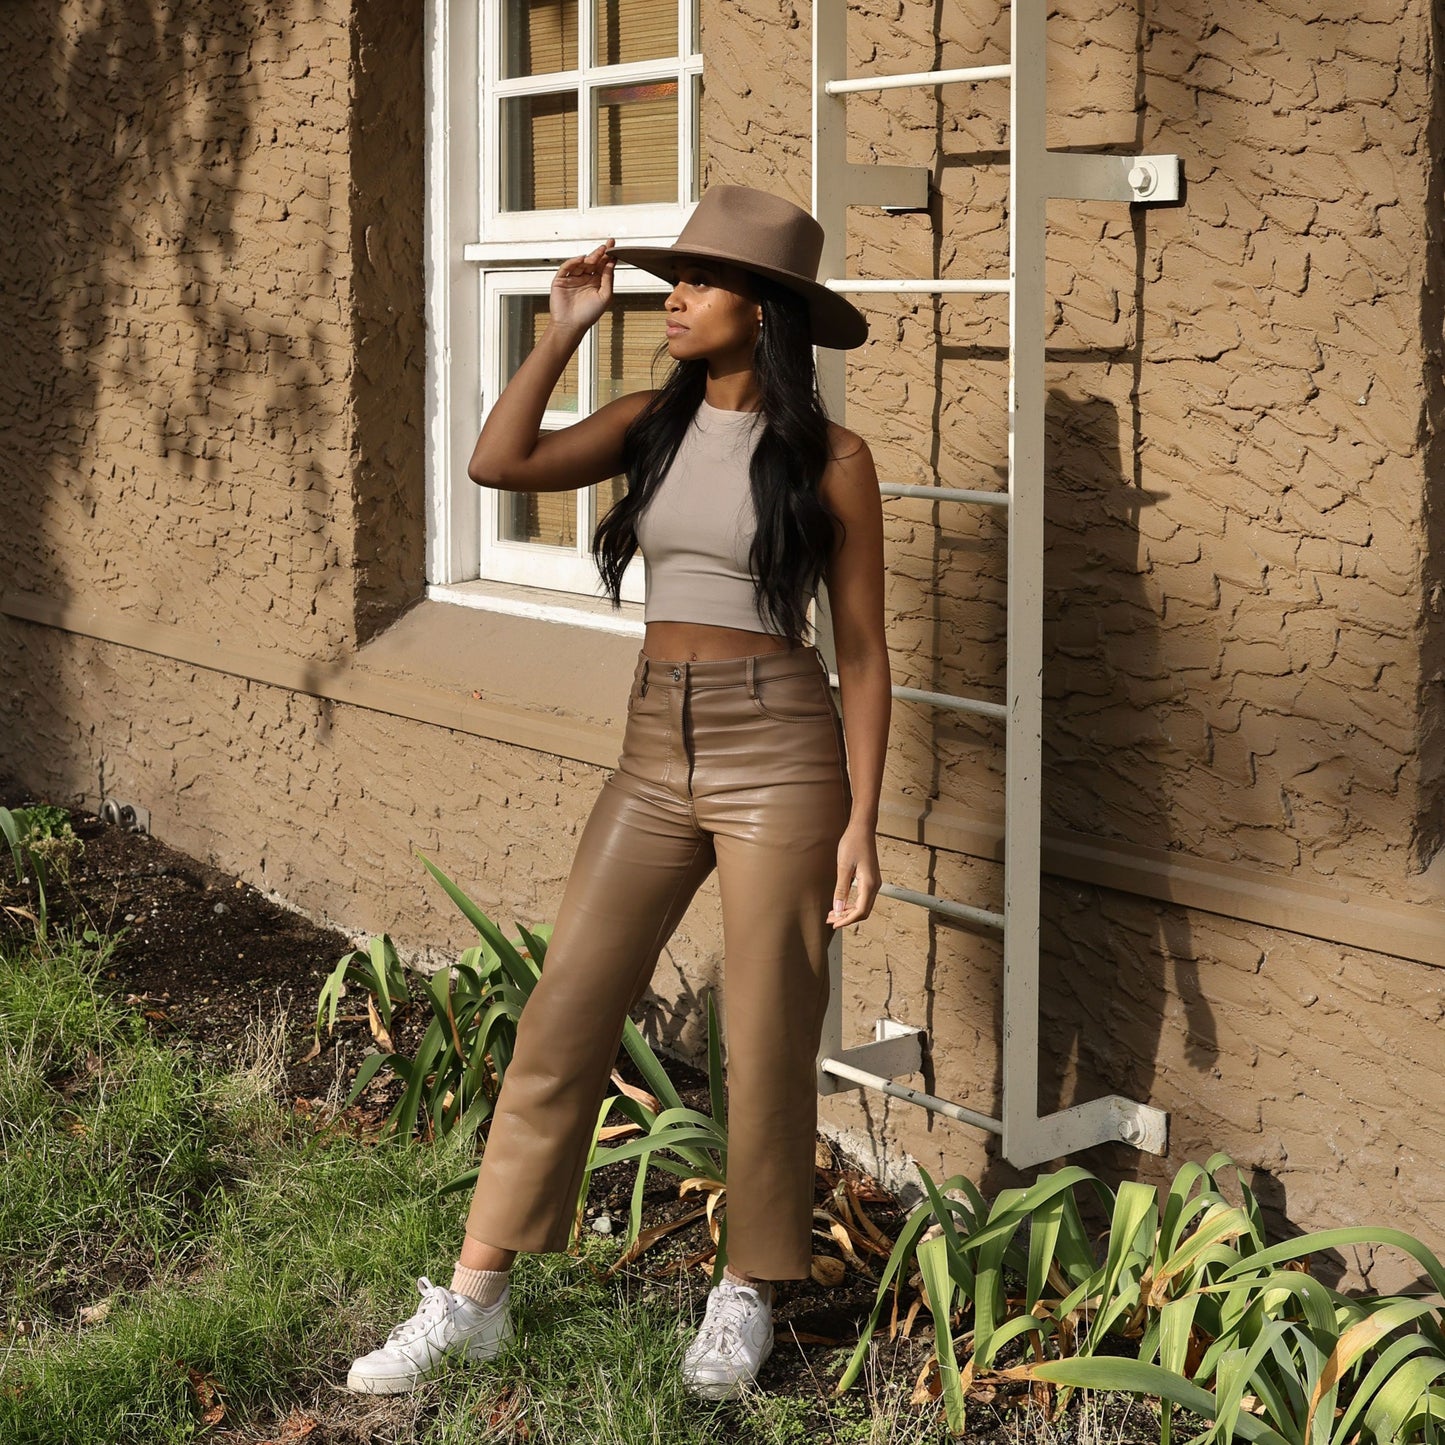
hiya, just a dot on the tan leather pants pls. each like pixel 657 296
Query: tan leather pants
pixel 734 764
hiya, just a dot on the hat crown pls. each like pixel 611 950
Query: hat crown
pixel 755 228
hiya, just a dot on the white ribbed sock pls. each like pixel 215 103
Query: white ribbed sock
pixel 483 1287
pixel 763 1287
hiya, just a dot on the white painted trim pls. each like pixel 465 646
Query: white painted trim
pixel 451 205
pixel 560 247
pixel 462 50
pixel 484 598
pixel 530 563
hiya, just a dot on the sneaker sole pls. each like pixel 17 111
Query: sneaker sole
pixel 726 1389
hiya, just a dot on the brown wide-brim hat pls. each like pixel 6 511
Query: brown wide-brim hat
pixel 763 233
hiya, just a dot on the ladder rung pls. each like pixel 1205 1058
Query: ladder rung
pixel 952 702
pixel 964 912
pixel 931 1102
pixel 910 286
pixel 944 494
pixel 949 700
pixel 966 75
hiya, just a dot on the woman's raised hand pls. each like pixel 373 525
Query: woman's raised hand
pixel 582 288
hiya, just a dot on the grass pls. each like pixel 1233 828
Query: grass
pixel 179 1257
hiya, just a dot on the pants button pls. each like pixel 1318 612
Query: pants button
pixel 677 674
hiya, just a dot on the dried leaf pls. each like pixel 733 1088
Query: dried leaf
pixel 378 1029
pixel 207 1393
pixel 313 1052
pixel 700 1181
pixel 616 1131
pixel 929 1384
pixel 827 1271
pixel 865 1223
pixel 294 1427
pixel 867 1188
pixel 95 1314
pixel 841 1239
pixel 648 1101
pixel 911 1316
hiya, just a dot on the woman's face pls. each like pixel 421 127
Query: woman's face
pixel 711 312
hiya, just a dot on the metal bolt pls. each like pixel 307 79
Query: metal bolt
pixel 1142 178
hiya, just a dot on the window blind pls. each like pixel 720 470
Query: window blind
pixel 635 157
pixel 540 36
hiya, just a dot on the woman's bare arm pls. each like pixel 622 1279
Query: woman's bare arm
pixel 849 490
pixel 512 452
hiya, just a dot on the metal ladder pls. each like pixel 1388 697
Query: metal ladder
pixel 1036 175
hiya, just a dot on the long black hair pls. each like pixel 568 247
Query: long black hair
pixel 796 533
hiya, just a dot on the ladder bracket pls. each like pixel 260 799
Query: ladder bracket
pixel 894 188
pixel 1144 180
pixel 1110 1120
pixel 896 1049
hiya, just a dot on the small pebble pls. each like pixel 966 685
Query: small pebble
pixel 220 908
pixel 602 1224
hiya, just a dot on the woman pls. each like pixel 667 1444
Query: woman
pixel 743 497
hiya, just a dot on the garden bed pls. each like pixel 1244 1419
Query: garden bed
pixel 212 966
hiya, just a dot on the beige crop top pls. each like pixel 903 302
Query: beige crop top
pixel 696 531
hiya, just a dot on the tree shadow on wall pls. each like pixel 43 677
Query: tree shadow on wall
pixel 174 370
pixel 118 233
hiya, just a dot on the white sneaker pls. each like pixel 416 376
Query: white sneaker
pixel 735 1338
pixel 447 1324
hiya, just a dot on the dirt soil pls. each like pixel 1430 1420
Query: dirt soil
pixel 205 957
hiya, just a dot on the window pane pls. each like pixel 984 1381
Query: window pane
pixel 629 30
pixel 539 152
pixel 608 496
pixel 524 319
pixel 635 127
pixel 539 36
pixel 627 338
pixel 546 518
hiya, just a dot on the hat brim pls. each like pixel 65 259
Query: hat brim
pixel 835 321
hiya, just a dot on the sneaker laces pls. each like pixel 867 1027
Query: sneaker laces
pixel 435 1303
pixel 728 1311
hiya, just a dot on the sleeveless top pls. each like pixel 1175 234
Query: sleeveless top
pixel 696 531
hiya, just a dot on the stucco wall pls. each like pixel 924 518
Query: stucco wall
pixel 212 395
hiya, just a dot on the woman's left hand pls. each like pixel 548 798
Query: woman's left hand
pixel 858 876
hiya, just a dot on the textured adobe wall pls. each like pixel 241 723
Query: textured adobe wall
pixel 212 389
pixel 1244 600
pixel 211 255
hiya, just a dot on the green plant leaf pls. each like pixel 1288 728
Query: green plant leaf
pixel 1390 1359
pixel 717 1089
pixel 933 1264
pixel 1138 1378
pixel 649 1066
pixel 1328 1239
pixel 522 971
pixel 903 1249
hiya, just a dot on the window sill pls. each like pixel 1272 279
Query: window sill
pixel 569 608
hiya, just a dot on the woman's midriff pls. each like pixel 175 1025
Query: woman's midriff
pixel 701 642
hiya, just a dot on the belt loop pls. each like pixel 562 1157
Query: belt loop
pixel 752 679
pixel 642 684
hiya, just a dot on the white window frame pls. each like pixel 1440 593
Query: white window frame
pixel 465 239
pixel 536 564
